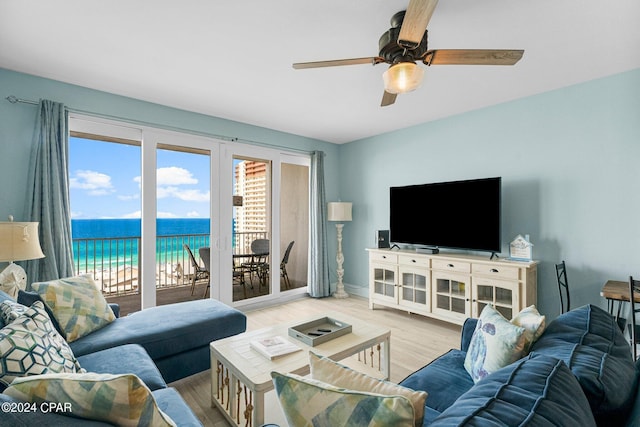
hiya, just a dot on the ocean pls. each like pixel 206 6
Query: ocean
pixel 109 243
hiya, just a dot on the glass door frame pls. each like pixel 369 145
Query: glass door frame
pixel 151 141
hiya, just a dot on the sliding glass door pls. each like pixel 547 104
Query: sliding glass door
pixel 209 218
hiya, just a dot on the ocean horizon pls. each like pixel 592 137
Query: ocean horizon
pixel 117 240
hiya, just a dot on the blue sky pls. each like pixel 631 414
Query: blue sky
pixel 105 181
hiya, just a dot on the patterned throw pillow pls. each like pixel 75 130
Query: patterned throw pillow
pixel 77 304
pixel 532 322
pixel 30 345
pixel 308 402
pixel 330 372
pixel 11 310
pixel 495 343
pixel 123 400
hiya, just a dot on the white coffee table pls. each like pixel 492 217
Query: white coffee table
pixel 240 376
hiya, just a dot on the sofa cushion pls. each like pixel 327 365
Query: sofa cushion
pixel 76 303
pixel 119 399
pixel 444 379
pixel 171 403
pixel 536 391
pixel 4 297
pixel 326 370
pixel 591 344
pixel 124 359
pixel 307 402
pixel 168 329
pixel 496 342
pixel 30 346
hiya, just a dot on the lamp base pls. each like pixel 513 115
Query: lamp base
pixel 340 293
pixel 12 279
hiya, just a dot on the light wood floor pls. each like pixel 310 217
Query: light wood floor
pixel 415 341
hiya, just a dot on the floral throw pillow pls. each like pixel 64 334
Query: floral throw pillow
pixel 495 343
pixel 77 304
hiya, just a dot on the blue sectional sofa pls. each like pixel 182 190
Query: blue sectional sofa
pixel 578 373
pixel 160 345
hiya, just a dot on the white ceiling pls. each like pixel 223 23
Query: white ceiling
pixel 232 58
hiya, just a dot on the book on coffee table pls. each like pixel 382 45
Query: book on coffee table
pixel 274 346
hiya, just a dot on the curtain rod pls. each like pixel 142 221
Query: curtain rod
pixel 13 99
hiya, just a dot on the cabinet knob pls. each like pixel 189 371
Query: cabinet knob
pixel 493 270
pixel 450 265
pixel 413 260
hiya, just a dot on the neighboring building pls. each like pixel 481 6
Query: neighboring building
pixel 251 217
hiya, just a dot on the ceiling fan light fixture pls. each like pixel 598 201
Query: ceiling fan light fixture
pixel 402 77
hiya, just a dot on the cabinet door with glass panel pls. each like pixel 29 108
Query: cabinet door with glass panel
pixel 451 295
pixel 383 288
pixel 502 294
pixel 414 283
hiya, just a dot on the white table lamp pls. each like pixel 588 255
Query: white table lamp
pixel 18 242
pixel 340 212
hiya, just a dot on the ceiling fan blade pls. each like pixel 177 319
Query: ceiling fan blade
pixel 388 98
pixel 373 60
pixel 415 22
pixel 473 57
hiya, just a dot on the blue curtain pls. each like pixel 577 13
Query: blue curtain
pixel 319 284
pixel 48 194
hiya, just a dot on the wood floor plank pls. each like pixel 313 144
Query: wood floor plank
pixel 415 341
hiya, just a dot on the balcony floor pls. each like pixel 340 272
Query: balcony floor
pixel 131 303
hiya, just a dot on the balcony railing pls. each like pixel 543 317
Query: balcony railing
pixel 114 263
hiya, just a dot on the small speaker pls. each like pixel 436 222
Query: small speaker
pixel 382 236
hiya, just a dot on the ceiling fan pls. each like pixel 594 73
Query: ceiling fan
pixel 405 43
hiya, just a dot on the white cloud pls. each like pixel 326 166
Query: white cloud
pixel 193 214
pixel 174 175
pixel 188 195
pixel 95 183
pixel 166 215
pixel 126 198
pixel 136 214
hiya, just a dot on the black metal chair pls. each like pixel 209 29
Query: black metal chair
pixel 634 330
pixel 205 256
pixel 561 275
pixel 199 273
pixel 283 266
pixel 258 265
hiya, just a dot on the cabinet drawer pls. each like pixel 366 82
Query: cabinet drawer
pixel 413 260
pixel 497 271
pixel 383 257
pixel 451 265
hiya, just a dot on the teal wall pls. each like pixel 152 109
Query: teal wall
pixel 569 161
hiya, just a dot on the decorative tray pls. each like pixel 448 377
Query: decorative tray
pixel 319 330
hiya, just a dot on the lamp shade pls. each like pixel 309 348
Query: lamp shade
pixel 402 77
pixel 339 211
pixel 19 241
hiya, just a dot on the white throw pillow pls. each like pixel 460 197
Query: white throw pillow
pixel 532 322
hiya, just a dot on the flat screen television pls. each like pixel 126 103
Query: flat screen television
pixel 455 214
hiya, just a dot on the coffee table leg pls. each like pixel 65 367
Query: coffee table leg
pixel 387 358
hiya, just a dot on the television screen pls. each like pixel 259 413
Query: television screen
pixel 456 214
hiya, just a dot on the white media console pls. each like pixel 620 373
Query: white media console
pixel 449 287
